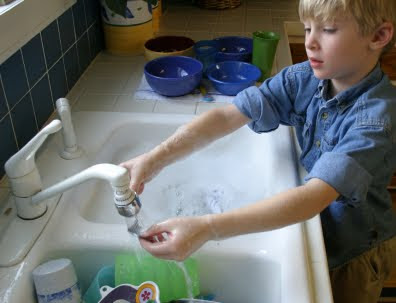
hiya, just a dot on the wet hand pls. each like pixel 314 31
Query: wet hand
pixel 141 170
pixel 176 238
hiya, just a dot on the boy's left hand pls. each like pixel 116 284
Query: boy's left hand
pixel 176 238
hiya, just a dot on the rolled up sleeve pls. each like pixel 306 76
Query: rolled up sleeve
pixel 252 103
pixel 270 104
pixel 357 163
pixel 343 173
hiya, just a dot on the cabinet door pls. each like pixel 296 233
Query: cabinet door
pixel 391 282
pixel 298 52
pixel 388 63
pixel 392 185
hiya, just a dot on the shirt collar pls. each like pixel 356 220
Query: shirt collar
pixel 348 96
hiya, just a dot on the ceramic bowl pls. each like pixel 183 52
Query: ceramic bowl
pixel 173 75
pixel 168 46
pixel 230 77
pixel 233 48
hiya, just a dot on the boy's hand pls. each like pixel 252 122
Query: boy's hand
pixel 177 238
pixel 141 170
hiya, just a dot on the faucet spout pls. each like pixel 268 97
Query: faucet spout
pixel 126 201
pixel 116 175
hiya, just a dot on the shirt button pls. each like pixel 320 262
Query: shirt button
pixel 325 116
pixel 317 143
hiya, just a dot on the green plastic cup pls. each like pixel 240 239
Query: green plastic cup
pixel 264 49
pixel 170 278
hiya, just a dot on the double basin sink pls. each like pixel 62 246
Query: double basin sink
pixel 238 169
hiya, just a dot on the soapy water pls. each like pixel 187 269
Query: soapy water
pixel 203 201
pixel 195 200
pixel 184 200
pixel 211 180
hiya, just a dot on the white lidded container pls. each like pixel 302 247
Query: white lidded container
pixel 56 282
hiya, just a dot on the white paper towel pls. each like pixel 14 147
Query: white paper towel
pixel 145 92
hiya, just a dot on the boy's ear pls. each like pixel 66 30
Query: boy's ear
pixel 382 35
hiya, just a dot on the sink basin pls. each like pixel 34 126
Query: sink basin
pixel 220 177
pixel 232 277
pixel 238 169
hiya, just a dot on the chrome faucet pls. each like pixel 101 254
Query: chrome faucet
pixel 26 184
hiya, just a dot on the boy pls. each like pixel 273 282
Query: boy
pixel 343 109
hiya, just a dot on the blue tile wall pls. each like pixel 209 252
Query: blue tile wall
pixel 23 119
pixel 72 66
pixel 14 79
pixel 51 43
pixel 8 142
pixel 65 23
pixel 3 104
pixel 33 57
pixel 43 70
pixel 42 101
pixel 80 20
pixel 58 80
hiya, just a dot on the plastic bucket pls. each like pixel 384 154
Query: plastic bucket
pixel 170 278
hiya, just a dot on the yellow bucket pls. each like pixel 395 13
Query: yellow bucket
pixel 125 32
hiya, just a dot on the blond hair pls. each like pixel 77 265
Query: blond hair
pixel 369 14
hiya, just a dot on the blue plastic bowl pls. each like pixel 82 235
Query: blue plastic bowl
pixel 230 77
pixel 233 48
pixel 173 75
pixel 206 51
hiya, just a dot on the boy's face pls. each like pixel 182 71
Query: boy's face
pixel 337 51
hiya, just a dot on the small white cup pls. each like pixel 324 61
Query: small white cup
pixel 56 282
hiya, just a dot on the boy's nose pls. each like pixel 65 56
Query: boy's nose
pixel 311 39
pixel 310 42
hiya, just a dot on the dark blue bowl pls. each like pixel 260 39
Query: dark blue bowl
pixel 173 75
pixel 233 48
pixel 230 77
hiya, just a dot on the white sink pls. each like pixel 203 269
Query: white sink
pixel 233 276
pixel 239 169
pixel 232 172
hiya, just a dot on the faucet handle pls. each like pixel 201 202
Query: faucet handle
pixel 23 162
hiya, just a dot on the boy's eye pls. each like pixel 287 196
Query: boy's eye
pixel 329 30
pixel 307 29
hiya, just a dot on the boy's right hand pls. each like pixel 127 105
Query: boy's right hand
pixel 177 238
pixel 141 170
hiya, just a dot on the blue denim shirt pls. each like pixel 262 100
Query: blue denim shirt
pixel 348 141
